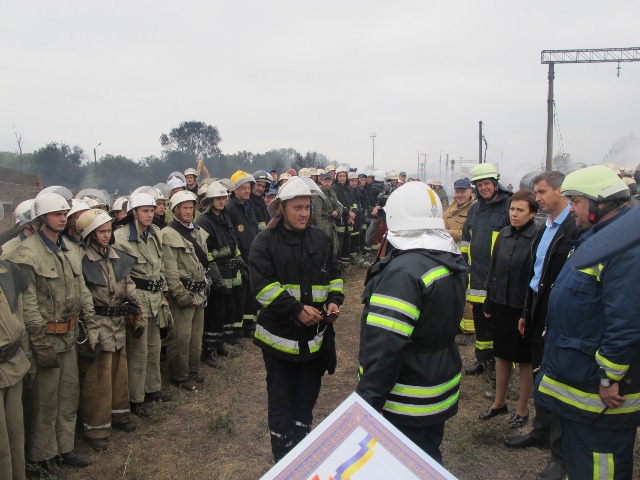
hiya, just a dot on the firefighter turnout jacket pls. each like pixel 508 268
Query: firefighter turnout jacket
pixel 409 362
pixel 290 269
pixel 592 333
pixel 479 233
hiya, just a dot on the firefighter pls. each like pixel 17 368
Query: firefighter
pixel 185 262
pixel 347 198
pixel 119 209
pixel 224 310
pixel 262 182
pixel 485 219
pixel 243 218
pixel 70 232
pixel 139 238
pixel 414 297
pixel 22 224
pixel 327 210
pixel 590 372
pixel 191 180
pixel 104 388
pixel 295 277
pixel 18 306
pixel 54 267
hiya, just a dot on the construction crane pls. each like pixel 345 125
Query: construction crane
pixel 596 55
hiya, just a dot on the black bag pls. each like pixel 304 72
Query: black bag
pixel 328 355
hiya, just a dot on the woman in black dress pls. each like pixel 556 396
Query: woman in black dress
pixel 506 289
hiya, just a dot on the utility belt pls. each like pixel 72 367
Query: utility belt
pixel 7 352
pixel 149 285
pixel 194 286
pixel 113 311
pixel 60 326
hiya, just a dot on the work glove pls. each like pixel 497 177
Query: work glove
pixel 43 352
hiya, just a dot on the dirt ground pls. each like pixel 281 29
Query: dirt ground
pixel 220 432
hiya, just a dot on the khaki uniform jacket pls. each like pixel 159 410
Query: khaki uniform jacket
pixel 148 264
pixel 322 208
pixel 180 261
pixel 454 219
pixel 15 290
pixel 60 290
pixel 10 246
pixel 109 282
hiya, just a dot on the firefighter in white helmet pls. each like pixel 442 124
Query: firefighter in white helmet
pixel 191 180
pixel 414 298
pixel 78 206
pixel 22 227
pixel 296 279
pixel 119 209
pixel 140 239
pixel 104 391
pixel 345 224
pixel 54 267
pixel 185 263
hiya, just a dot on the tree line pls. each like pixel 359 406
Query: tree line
pixel 59 163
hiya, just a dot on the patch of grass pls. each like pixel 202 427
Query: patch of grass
pixel 222 422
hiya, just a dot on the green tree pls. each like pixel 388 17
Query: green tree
pixel 196 139
pixel 59 164
pixel 117 172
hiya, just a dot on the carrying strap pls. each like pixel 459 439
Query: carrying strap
pixel 186 234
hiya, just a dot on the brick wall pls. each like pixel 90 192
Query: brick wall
pixel 16 187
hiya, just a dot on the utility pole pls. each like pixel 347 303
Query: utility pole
pixel 95 160
pixel 594 55
pixel 373 149
pixel 480 137
pixel 424 166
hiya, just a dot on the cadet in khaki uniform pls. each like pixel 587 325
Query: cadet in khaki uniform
pixel 326 210
pixel 15 292
pixel 185 260
pixel 138 238
pixel 104 391
pixel 21 221
pixel 54 267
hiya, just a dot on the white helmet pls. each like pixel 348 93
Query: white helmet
pixel 392 175
pixel 181 197
pixel 174 183
pixel 22 213
pixel 164 191
pixel 352 176
pixel 296 187
pixel 118 205
pixel 414 207
pixel 341 169
pixel 378 175
pixel 304 173
pixel 140 200
pixel 216 190
pixel 191 171
pixel 320 171
pixel 99 196
pixel 47 203
pixel 179 176
pixel 77 205
pixel 230 186
pixel 414 219
pixel 62 191
pixel 92 202
pixel 90 220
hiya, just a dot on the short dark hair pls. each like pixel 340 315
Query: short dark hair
pixel 552 177
pixel 526 196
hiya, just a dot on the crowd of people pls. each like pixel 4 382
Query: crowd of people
pixel 90 290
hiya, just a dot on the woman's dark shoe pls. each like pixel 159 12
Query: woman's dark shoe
pixel 516 421
pixel 493 412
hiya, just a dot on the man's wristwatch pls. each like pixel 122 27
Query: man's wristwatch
pixel 605 382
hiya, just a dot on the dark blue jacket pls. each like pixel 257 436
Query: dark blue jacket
pixel 593 331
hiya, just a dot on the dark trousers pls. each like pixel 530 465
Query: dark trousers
pixel 592 452
pixel 484 334
pixel 249 313
pixel 345 246
pixel 292 390
pixel 547 428
pixel 428 438
pixel 215 316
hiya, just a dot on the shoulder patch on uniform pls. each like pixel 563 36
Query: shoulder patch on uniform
pixel 240 228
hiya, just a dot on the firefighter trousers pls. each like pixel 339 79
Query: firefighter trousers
pixel 484 334
pixel 53 405
pixel 143 361
pixel 11 433
pixel 184 343
pixel 104 392
pixel 292 390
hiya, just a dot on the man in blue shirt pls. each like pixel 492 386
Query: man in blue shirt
pixel 548 254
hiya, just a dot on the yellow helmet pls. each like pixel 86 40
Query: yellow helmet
pixel 484 171
pixel 599 183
